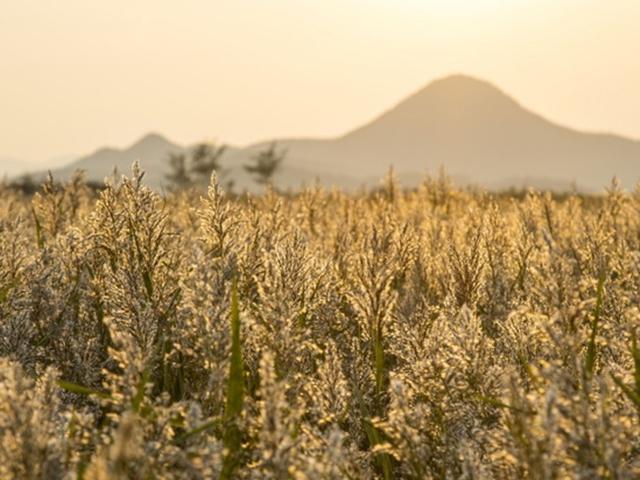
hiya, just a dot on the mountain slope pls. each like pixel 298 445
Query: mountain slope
pixel 478 134
pixel 472 129
pixel 152 151
pixel 476 130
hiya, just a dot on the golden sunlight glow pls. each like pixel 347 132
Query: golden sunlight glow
pixel 457 8
pixel 246 70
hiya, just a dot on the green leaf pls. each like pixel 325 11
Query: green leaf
pixel 199 429
pixel 39 239
pixel 235 386
pixel 4 291
pixel 80 390
pixel 148 283
pixel 632 393
pixel 378 351
pixel 232 438
pixel 628 391
pixel 382 459
pixel 136 401
pixel 592 352
pixel 635 353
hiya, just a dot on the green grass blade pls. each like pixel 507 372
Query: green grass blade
pixel 198 430
pixel 235 386
pixel 635 353
pixel 81 390
pixel 136 401
pixel 379 363
pixel 382 459
pixel 592 351
pixel 628 391
pixel 232 438
pixel 5 291
pixel 39 238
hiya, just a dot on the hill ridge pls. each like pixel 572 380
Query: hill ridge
pixel 469 126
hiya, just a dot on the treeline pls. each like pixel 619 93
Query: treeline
pixel 194 168
pixel 191 169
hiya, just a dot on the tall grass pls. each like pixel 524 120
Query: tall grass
pixel 428 333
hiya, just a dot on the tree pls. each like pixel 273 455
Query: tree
pixel 195 167
pixel 178 175
pixel 25 184
pixel 205 159
pixel 265 164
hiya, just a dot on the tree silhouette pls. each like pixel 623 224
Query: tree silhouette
pixel 25 184
pixel 178 176
pixel 205 159
pixel 195 167
pixel 266 163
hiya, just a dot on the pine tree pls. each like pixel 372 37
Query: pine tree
pixel 265 164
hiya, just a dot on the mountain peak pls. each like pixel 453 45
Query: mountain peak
pixel 451 105
pixel 459 89
pixel 151 140
pixel 460 80
pixel 467 125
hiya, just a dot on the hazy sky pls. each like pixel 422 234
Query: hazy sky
pixel 79 74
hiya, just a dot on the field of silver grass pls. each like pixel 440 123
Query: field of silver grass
pixel 435 333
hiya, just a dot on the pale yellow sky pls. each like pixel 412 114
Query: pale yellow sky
pixel 79 74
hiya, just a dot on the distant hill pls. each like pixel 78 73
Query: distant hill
pixel 16 167
pixel 471 128
pixel 480 135
pixel 152 151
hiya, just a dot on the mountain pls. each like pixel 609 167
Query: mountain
pixel 16 167
pixel 475 131
pixel 480 135
pixel 151 150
